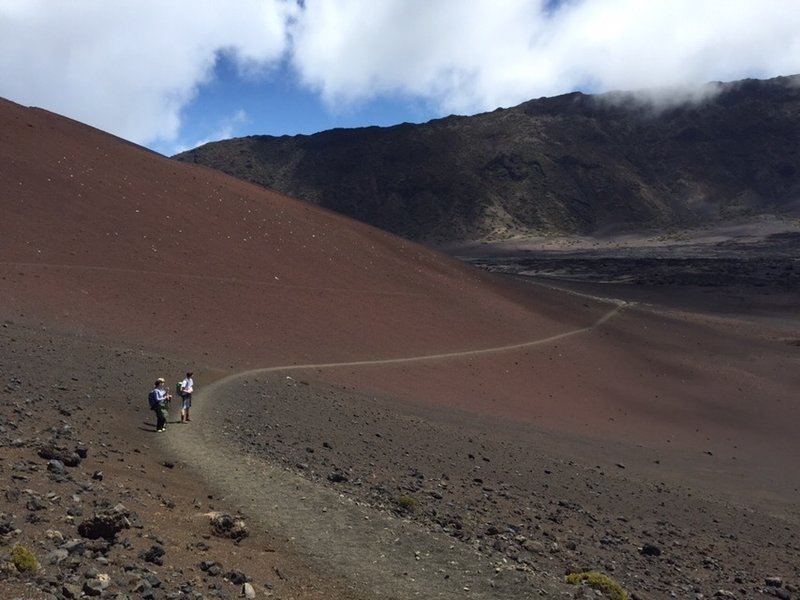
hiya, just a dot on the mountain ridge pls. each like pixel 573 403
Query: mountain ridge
pixel 574 164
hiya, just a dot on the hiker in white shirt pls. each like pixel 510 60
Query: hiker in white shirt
pixel 187 387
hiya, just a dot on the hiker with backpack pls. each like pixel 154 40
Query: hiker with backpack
pixel 185 389
pixel 159 400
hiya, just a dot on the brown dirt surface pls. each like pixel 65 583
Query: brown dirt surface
pixel 389 422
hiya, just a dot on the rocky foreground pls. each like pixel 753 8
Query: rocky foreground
pixel 92 504
pixel 515 496
pixel 107 508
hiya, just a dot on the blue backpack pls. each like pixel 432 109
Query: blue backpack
pixel 152 399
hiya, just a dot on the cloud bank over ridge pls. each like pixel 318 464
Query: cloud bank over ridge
pixel 131 67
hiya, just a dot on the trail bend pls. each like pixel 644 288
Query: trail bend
pixel 422 358
pixel 373 552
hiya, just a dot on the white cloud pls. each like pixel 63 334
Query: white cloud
pixel 477 55
pixel 449 50
pixel 131 66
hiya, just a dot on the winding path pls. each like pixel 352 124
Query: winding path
pixel 423 358
pixel 370 552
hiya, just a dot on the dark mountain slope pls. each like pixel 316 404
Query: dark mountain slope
pixel 573 163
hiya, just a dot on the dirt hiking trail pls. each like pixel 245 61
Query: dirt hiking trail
pixel 378 554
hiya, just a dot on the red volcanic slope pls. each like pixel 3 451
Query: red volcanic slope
pixel 102 237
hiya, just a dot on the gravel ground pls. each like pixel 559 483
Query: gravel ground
pixel 508 509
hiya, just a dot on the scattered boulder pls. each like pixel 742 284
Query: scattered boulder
pixel 152 579
pixel 96 585
pixel 6 524
pixel 248 591
pixel 236 577
pixel 56 466
pixel 155 555
pixel 92 588
pixel 227 526
pixel 57 556
pixel 212 568
pixel 650 550
pixel 52 452
pixel 35 503
pixel 105 524
pixel 71 591
pixel 779 593
pixel 75 546
pixel 142 587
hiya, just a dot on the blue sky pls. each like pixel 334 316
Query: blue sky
pixel 279 105
pixel 173 74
